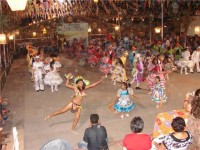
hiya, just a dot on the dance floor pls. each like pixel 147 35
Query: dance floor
pixel 29 108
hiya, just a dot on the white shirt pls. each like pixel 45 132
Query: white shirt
pixel 196 56
pixel 38 66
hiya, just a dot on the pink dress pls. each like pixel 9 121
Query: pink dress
pixel 155 70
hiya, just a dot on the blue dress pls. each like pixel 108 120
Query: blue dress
pixel 124 103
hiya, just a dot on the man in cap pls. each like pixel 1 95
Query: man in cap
pixel 38 71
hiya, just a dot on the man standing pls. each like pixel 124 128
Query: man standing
pixel 38 71
pixel 196 58
pixel 96 135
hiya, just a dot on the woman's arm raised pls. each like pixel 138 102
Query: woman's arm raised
pixel 68 85
pixel 94 84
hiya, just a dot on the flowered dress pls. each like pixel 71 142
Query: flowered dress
pixel 118 73
pixel 172 143
pixel 53 77
pixel 137 71
pixel 124 103
pixel 155 70
pixel 158 93
pixel 105 66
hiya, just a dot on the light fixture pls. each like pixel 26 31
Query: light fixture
pixel 99 30
pixel 116 28
pixel 96 1
pixel 11 37
pixel 89 29
pixel 157 29
pixel 34 33
pixel 2 38
pixel 44 31
pixel 16 5
pixel 197 29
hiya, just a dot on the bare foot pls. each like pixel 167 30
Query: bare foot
pixel 73 131
pixel 46 118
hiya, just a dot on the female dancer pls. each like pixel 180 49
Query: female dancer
pixel 158 93
pixel 75 103
pixel 53 78
pixel 123 103
pixel 118 73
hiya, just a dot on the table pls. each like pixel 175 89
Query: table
pixel 163 121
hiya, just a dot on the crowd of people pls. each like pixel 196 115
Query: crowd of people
pixel 115 59
pixel 4 114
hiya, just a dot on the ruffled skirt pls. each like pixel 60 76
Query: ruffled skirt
pixel 52 78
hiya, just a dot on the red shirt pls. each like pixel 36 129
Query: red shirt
pixel 136 141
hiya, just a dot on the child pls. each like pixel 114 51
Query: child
pixel 137 71
pixel 118 72
pixel 53 78
pixel 123 103
pixel 158 92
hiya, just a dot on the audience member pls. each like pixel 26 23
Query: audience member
pixel 180 139
pixel 96 136
pixel 137 140
pixel 194 123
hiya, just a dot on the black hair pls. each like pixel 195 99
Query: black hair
pixel 178 124
pixel 137 124
pixel 197 93
pixel 84 85
pixel 120 62
pixel 157 77
pixel 155 59
pixel 127 85
pixel 94 118
pixel 51 64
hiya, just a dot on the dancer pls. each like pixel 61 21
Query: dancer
pixel 53 78
pixel 132 56
pixel 118 72
pixel 38 70
pixel 105 66
pixel 155 69
pixel 75 104
pixel 158 93
pixel 169 66
pixel 123 103
pixel 137 71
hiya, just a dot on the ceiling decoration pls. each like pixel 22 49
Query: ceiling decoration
pixel 106 10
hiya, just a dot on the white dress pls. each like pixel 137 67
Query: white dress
pixel 53 77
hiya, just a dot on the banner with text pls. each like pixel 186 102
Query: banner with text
pixel 74 30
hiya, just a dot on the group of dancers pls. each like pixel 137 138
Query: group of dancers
pixel 149 68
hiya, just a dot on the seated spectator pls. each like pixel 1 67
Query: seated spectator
pixel 189 98
pixel 193 125
pixel 180 139
pixel 136 140
pixel 96 136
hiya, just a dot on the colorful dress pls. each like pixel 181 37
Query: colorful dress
pixel 155 70
pixel 118 73
pixel 105 66
pixel 137 71
pixel 158 93
pixel 124 103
